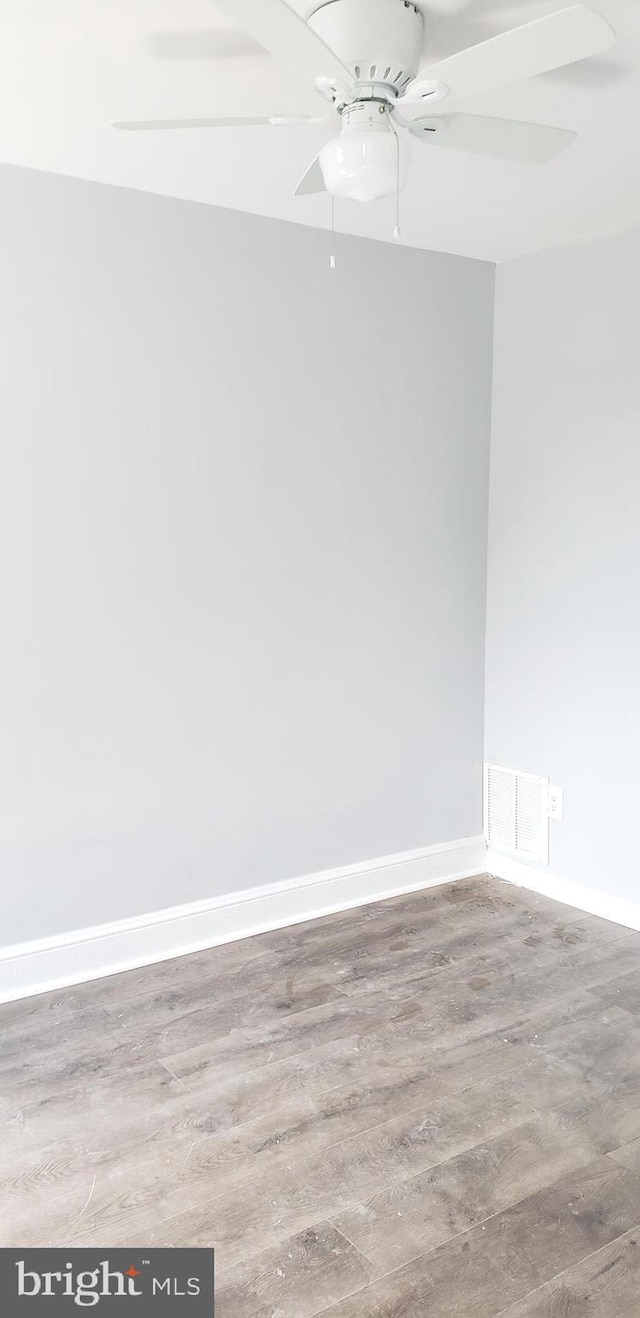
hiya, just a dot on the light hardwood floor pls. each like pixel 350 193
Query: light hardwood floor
pixel 428 1106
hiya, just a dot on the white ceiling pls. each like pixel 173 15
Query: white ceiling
pixel 69 67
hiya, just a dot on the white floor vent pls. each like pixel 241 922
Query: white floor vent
pixel 516 816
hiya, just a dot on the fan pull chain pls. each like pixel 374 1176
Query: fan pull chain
pixel 332 257
pixel 397 233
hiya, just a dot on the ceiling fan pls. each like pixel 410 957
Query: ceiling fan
pixel 363 56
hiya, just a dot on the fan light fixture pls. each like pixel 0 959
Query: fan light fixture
pixel 365 162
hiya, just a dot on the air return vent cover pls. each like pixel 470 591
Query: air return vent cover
pixel 516 817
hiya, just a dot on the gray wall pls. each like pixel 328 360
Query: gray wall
pixel 243 518
pixel 563 626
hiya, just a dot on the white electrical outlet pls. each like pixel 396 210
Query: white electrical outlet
pixel 555 801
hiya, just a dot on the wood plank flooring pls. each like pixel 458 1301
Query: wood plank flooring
pixel 427 1106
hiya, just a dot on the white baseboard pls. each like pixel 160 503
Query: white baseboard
pixel 54 963
pixel 616 909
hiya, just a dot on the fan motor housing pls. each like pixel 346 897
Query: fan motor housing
pixel 379 41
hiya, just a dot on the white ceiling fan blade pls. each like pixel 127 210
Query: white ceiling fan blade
pixel 229 121
pixel 311 181
pixel 279 29
pixel 537 47
pixel 506 139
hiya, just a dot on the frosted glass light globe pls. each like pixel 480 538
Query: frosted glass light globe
pixel 362 163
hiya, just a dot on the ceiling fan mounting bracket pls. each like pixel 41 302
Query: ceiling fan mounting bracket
pixel 332 91
pixel 424 126
pixel 423 90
